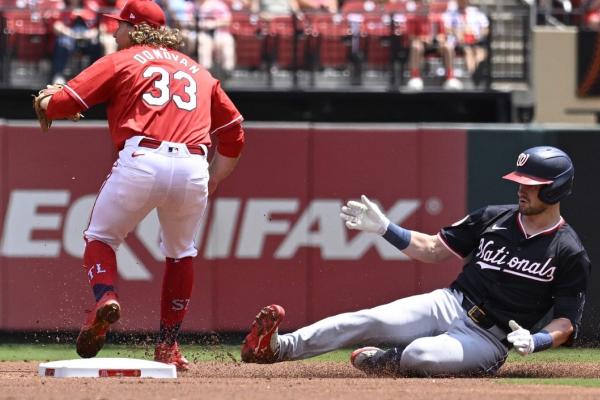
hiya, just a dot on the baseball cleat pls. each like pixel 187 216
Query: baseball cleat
pixel 170 354
pixel 260 345
pixel 365 359
pixel 92 336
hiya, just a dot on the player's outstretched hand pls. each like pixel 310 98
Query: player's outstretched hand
pixel 521 339
pixel 364 216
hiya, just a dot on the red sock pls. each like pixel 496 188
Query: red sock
pixel 100 264
pixel 415 73
pixel 177 285
pixel 450 73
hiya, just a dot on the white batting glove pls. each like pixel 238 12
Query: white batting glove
pixel 520 338
pixel 364 216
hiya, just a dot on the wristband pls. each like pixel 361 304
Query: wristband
pixel 397 236
pixel 542 341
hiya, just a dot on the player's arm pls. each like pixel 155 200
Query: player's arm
pixel 226 124
pixel 560 329
pixel 61 105
pixel 91 86
pixel 556 333
pixel 426 248
pixel 366 216
pixel 220 167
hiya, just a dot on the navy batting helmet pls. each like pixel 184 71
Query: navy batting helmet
pixel 547 166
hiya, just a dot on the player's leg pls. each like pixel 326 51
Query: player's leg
pixel 465 350
pixel 100 263
pixel 124 199
pixel 398 323
pixel 180 217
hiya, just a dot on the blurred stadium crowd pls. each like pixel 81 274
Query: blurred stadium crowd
pixel 415 42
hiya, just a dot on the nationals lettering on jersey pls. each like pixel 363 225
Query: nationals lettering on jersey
pixel 142 83
pixel 513 275
pixel 499 259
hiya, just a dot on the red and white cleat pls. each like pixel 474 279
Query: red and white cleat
pixel 170 354
pixel 260 345
pixel 92 336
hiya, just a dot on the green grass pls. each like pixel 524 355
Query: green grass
pixel 562 354
pixel 53 352
pixel 43 352
pixel 581 382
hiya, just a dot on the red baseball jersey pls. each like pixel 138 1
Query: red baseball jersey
pixel 155 92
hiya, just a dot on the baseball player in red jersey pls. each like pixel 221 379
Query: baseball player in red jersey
pixel 162 108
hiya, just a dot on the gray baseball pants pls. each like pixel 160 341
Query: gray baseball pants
pixel 436 333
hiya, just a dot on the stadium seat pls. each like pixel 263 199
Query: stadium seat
pixel 281 33
pixel 249 40
pixel 27 35
pixel 327 38
pixel 377 31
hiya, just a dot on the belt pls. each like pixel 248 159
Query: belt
pixel 155 144
pixel 480 318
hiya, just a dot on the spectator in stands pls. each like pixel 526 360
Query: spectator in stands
pixel 463 27
pixel 215 41
pixel 420 36
pixel 180 15
pixel 76 31
pixel 466 28
pixel 269 9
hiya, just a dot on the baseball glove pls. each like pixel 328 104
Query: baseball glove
pixel 40 112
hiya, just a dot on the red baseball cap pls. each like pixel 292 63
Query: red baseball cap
pixel 137 11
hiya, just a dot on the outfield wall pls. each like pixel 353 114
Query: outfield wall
pixel 272 232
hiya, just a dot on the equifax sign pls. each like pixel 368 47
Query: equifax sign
pixel 233 228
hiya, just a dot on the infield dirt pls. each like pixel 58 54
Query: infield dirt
pixel 293 380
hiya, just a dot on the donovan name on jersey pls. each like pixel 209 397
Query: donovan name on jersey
pixel 146 56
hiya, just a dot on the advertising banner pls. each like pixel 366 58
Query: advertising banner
pixel 272 233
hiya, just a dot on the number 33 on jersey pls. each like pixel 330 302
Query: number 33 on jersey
pixel 139 83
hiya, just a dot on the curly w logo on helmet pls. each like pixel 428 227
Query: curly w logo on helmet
pixel 522 159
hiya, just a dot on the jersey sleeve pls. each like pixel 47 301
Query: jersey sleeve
pixel 231 141
pixel 92 86
pixel 570 286
pixel 225 123
pixel 62 105
pixel 463 236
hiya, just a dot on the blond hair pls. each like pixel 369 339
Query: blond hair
pixel 157 37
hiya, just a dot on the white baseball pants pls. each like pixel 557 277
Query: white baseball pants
pixel 438 336
pixel 167 178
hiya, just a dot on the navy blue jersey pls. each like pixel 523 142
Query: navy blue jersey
pixel 515 276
